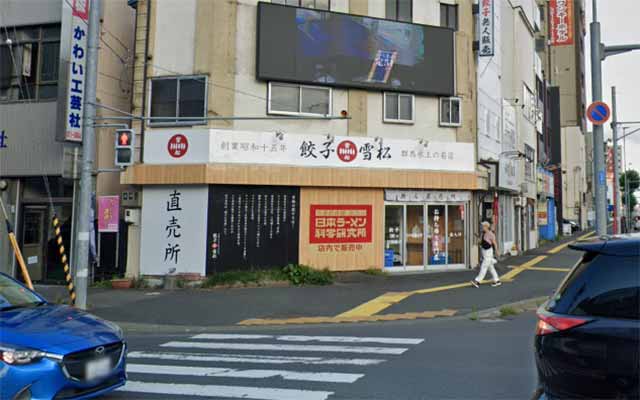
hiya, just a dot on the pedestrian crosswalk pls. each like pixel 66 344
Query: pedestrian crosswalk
pixel 260 367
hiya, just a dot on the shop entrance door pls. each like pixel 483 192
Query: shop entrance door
pixel 33 240
pixel 419 236
pixel 415 236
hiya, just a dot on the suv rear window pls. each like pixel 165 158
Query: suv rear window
pixel 601 286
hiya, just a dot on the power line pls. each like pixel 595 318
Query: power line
pixel 122 60
pixel 116 38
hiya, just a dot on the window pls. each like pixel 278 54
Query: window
pixel 398 107
pixel 449 16
pixel 317 4
pixel 450 111
pixel 530 109
pixel 601 286
pixel 529 161
pixel 181 96
pixel 299 99
pixel 400 10
pixel 29 65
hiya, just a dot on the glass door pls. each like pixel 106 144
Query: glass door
pixel 415 236
pixel 393 236
pixel 436 235
pixel 456 237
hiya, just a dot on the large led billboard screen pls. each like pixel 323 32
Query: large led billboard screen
pixel 320 47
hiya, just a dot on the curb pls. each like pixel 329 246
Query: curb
pixel 519 306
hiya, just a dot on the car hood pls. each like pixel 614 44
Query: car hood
pixel 55 329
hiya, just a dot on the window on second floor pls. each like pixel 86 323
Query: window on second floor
pixel 291 99
pixel 317 4
pixel 399 10
pixel 398 108
pixel 449 16
pixel 29 65
pixel 529 162
pixel 178 97
pixel 530 103
pixel 450 111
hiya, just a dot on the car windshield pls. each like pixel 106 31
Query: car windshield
pixel 13 295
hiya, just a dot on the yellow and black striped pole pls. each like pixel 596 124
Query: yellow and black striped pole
pixel 65 261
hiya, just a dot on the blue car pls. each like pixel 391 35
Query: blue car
pixel 52 351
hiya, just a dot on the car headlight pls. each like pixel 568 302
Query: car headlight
pixel 19 356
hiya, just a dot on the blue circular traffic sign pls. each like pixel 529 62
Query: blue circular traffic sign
pixel 598 113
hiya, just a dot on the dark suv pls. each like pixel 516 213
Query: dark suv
pixel 587 343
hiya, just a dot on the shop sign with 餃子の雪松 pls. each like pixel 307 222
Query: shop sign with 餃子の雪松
pixel 250 147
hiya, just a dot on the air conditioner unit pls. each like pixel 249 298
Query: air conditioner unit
pixel 520 201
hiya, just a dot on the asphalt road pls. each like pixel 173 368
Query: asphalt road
pixel 429 359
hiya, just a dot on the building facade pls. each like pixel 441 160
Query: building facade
pixel 509 120
pixel 303 133
pixel 564 59
pixel 42 52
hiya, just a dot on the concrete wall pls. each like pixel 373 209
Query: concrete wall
pixel 30 12
pixel 574 182
pixel 114 84
pixel 225 51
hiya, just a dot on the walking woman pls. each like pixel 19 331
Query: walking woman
pixel 488 245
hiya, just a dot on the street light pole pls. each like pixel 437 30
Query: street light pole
pixel 83 232
pixel 598 134
pixel 598 53
pixel 617 206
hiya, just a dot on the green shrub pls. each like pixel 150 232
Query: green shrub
pixel 303 275
pixel 376 272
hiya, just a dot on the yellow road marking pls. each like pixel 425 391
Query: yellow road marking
pixel 367 311
pixel 441 288
pixel 376 305
pixel 562 246
pixel 339 319
pixel 518 270
pixel 549 269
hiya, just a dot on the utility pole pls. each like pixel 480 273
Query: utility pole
pixel 617 206
pixel 81 258
pixel 598 134
pixel 598 53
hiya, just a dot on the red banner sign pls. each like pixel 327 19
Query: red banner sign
pixel 561 17
pixel 340 224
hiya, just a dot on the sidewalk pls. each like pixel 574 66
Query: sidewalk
pixel 220 307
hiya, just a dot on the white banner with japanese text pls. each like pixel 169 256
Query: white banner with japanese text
pixel 76 71
pixel 486 27
pixel 173 230
pixel 249 147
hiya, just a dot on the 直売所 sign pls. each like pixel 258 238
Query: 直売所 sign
pixel 250 147
pixel 76 73
pixel 486 23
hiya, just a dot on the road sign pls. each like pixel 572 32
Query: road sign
pixel 598 113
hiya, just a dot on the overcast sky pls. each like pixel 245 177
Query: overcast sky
pixel 620 24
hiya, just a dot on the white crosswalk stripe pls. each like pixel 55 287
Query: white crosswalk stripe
pixel 286 347
pixel 214 370
pixel 300 338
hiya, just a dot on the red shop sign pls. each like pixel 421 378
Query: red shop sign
pixel 340 223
